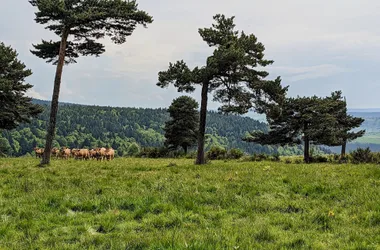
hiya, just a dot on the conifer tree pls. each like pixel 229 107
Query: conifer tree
pixel 302 120
pixel 84 22
pixel 15 107
pixel 232 73
pixel 182 129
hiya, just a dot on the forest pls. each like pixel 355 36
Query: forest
pixel 81 126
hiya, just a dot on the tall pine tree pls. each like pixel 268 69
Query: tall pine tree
pixel 84 21
pixel 232 73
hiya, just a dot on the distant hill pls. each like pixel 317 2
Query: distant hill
pixel 92 126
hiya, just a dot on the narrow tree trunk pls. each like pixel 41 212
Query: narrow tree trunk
pixel 185 149
pixel 306 153
pixel 343 152
pixel 54 101
pixel 202 126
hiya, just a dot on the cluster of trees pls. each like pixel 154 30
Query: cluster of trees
pixel 234 74
pixel 125 129
pixel 316 120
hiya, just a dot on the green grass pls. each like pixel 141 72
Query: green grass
pixel 152 204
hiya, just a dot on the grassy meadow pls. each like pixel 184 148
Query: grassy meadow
pixel 173 204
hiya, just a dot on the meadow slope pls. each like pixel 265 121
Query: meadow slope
pixel 173 204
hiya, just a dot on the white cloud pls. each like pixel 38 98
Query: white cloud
pixel 34 94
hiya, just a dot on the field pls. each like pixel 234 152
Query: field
pixel 173 204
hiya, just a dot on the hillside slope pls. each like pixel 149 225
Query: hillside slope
pixel 93 126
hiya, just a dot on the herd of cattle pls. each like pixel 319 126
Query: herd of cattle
pixel 83 154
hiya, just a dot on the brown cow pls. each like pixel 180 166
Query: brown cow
pixel 110 154
pixel 74 152
pixel 92 154
pixel 64 153
pixel 55 152
pixel 100 153
pixel 83 154
pixel 39 152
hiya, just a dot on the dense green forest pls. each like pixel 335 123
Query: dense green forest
pixel 81 126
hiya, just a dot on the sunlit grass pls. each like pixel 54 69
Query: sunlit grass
pixel 145 203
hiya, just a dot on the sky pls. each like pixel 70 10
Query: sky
pixel 318 46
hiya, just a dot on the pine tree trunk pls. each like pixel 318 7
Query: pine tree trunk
pixel 54 101
pixel 343 152
pixel 185 149
pixel 306 153
pixel 202 126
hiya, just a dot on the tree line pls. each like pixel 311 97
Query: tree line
pixel 128 130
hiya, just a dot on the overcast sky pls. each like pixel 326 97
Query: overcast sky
pixel 318 46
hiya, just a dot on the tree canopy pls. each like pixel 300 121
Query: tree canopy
pixel 316 120
pixel 182 129
pixel 16 107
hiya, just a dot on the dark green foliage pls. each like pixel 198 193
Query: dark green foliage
pixel 81 126
pixel 235 153
pixel 133 149
pixel 87 21
pixel 216 153
pixel 361 155
pixel 154 152
pixel 319 159
pixel 305 120
pixel 15 107
pixel 182 129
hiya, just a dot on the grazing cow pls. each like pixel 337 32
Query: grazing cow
pixel 83 154
pixel 74 153
pixel 110 154
pixel 39 152
pixel 92 154
pixel 55 152
pixel 64 153
pixel 100 153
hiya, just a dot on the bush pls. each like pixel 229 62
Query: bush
pixel 319 159
pixel 153 152
pixel 275 157
pixel 133 149
pixel 288 161
pixel 260 157
pixel 216 153
pixel 361 155
pixel 235 153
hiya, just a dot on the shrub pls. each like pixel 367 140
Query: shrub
pixel 361 155
pixel 288 161
pixel 235 153
pixel 319 159
pixel 298 161
pixel 216 153
pixel 153 152
pixel 133 149
pixel 275 157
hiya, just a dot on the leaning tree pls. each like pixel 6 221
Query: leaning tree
pixel 15 106
pixel 84 22
pixel 233 73
pixel 305 120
